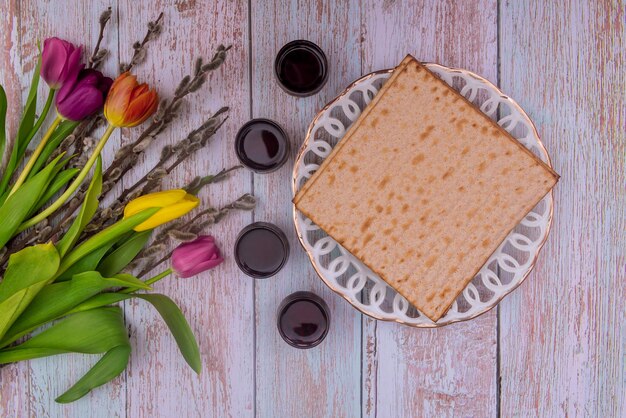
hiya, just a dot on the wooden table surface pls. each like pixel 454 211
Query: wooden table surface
pixel 555 347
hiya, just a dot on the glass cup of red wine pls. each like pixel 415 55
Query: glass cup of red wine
pixel 303 320
pixel 262 145
pixel 261 250
pixel 301 68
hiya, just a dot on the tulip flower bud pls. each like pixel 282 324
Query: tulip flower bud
pixel 83 96
pixel 60 62
pixel 194 257
pixel 129 103
pixel 173 204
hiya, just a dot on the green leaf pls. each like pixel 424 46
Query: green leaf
pixel 61 132
pixel 23 131
pixel 8 172
pixel 104 237
pixel 179 327
pixel 92 332
pixel 100 300
pixel 128 278
pixel 58 299
pixel 171 314
pixel 17 207
pixel 87 210
pixel 28 117
pixel 122 256
pixel 26 267
pixel 111 365
pixel 28 272
pixel 59 180
pixel 57 169
pixel 87 263
pixel 3 115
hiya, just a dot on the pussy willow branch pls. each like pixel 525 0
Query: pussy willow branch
pixel 187 231
pixel 183 149
pixel 88 126
pixel 74 144
pixel 198 183
pixel 139 55
pixel 127 156
pixel 75 141
pixel 140 51
pixel 168 109
pixel 95 61
pixel 194 141
pixel 152 181
pixel 113 213
pixel 180 226
pixel 98 55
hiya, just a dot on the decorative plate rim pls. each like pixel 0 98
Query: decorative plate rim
pixel 294 188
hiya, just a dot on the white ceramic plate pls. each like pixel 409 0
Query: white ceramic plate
pixel 349 277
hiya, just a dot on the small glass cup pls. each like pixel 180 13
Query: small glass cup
pixel 301 68
pixel 261 250
pixel 262 145
pixel 303 320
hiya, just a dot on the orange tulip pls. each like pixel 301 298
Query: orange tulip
pixel 129 103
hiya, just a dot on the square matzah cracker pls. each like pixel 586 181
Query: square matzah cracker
pixel 423 188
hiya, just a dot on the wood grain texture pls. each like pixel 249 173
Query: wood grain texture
pixel 323 381
pixel 10 64
pixel 563 335
pixel 219 304
pixel 450 371
pixel 14 378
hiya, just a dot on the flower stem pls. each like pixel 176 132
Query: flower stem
pixel 72 188
pixel 33 158
pixel 150 280
pixel 159 276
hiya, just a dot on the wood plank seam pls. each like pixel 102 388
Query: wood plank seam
pixel 251 174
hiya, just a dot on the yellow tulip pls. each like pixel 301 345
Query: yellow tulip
pixel 173 204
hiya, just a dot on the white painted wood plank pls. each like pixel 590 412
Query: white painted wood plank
pixel 10 71
pixel 578 369
pixel 449 371
pixel 13 378
pixel 563 335
pixel 218 304
pixel 323 381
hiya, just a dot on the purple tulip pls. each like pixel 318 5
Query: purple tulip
pixel 60 62
pixel 84 95
pixel 196 256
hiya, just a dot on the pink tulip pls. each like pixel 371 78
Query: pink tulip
pixel 196 256
pixel 60 62
pixel 83 96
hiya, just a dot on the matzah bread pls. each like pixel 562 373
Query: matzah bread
pixel 423 188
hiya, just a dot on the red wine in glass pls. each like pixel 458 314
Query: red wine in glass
pixel 301 68
pixel 262 145
pixel 261 250
pixel 303 320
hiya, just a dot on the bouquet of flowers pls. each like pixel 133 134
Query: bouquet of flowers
pixel 65 261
